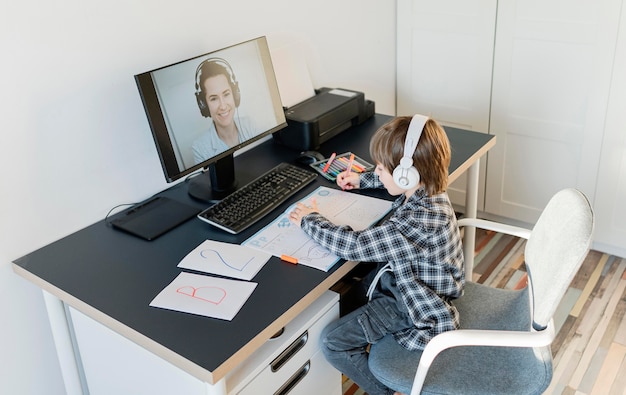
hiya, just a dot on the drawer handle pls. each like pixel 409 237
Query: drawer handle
pixel 295 379
pixel 278 334
pixel 289 352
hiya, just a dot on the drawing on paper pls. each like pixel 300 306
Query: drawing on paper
pixel 204 295
pixel 213 295
pixel 210 253
pixel 316 251
pixel 339 207
pixel 225 259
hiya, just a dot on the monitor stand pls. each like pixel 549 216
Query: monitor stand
pixel 215 183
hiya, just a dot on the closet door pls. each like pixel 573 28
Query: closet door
pixel 610 201
pixel 444 59
pixel 551 80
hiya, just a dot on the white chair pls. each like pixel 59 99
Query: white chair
pixel 503 346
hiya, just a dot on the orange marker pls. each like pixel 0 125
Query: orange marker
pixel 332 157
pixel 349 169
pixel 289 259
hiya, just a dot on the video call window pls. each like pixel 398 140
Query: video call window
pixel 189 102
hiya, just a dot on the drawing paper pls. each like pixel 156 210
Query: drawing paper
pixel 204 295
pixel 340 207
pixel 225 259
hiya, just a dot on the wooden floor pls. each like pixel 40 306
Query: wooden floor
pixel 590 347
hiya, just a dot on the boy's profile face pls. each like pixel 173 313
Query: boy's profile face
pixel 387 179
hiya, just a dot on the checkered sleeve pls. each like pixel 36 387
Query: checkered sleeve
pixel 376 244
pixel 370 180
pixel 422 242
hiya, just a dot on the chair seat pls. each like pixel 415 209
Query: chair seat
pixel 519 370
pixel 554 252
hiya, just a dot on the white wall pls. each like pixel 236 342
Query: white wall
pixel 74 137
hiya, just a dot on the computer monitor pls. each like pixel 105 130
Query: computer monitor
pixel 203 109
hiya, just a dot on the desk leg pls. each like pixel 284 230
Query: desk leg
pixel 471 209
pixel 61 333
pixel 218 388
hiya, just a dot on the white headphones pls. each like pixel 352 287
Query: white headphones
pixel 406 175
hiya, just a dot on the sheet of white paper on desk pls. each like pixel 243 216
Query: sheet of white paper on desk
pixel 281 237
pixel 204 295
pixel 340 207
pixel 225 259
pixel 292 75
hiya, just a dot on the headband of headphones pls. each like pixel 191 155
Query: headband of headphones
pixel 405 175
pixel 219 61
pixel 412 137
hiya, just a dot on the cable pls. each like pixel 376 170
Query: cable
pixel 106 218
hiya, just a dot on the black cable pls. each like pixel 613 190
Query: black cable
pixel 106 218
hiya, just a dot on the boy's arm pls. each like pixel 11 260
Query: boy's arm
pixel 370 180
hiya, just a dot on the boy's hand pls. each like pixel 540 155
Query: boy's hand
pixel 348 180
pixel 302 210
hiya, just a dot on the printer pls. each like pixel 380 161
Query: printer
pixel 323 116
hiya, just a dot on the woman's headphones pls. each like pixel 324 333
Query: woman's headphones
pixel 232 80
pixel 406 175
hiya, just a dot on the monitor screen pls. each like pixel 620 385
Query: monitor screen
pixel 203 109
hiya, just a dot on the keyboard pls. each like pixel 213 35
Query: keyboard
pixel 250 203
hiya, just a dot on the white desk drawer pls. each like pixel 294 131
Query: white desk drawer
pixel 315 377
pixel 289 358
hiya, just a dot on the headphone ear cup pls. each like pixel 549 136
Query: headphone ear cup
pixel 406 177
pixel 204 108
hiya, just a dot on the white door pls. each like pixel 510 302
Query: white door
pixel 444 59
pixel 610 201
pixel 551 80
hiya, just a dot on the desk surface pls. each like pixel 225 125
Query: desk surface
pixel 112 276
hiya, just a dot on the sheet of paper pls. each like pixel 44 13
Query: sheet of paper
pixel 204 295
pixel 340 207
pixel 292 75
pixel 225 259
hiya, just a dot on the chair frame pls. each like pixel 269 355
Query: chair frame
pixel 474 337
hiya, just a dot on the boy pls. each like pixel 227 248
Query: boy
pixel 420 243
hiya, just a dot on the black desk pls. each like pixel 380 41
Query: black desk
pixel 112 276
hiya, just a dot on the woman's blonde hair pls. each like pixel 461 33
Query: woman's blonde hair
pixel 431 157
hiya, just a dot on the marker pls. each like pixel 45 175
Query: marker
pixel 356 166
pixel 289 259
pixel 335 168
pixel 349 169
pixel 332 157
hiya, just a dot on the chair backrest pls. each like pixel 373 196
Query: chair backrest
pixel 557 246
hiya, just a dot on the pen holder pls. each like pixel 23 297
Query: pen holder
pixel 340 164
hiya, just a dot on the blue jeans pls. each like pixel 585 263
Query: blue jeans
pixel 345 341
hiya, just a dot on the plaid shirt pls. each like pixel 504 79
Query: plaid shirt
pixel 422 242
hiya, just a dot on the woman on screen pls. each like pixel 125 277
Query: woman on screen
pixel 218 97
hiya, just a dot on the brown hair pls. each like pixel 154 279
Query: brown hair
pixel 431 157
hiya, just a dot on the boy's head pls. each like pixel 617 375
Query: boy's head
pixel 431 157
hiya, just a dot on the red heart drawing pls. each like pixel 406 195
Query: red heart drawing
pixel 213 295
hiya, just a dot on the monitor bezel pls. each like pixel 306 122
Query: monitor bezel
pixel 162 136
